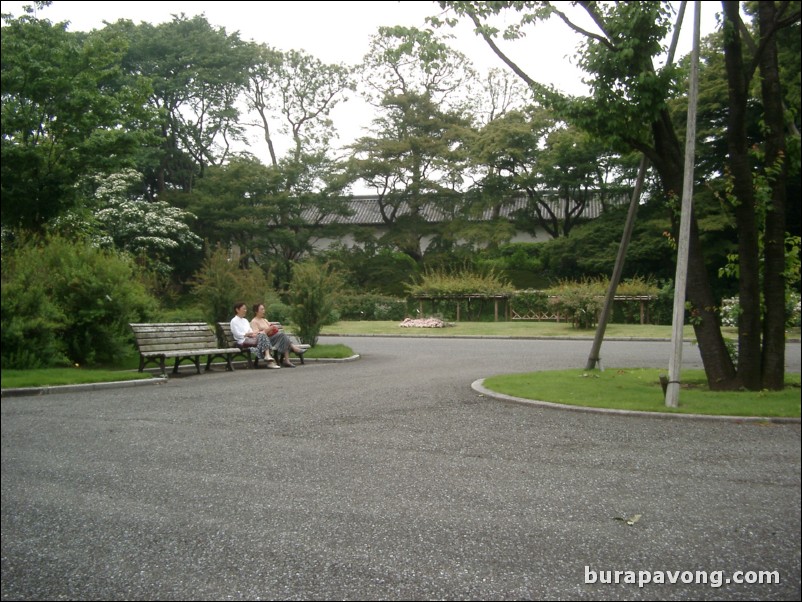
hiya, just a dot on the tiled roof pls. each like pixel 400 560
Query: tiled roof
pixel 365 210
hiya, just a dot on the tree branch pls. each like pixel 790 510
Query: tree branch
pixel 588 6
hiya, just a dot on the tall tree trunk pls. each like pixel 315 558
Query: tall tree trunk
pixel 719 369
pixel 773 241
pixel 749 353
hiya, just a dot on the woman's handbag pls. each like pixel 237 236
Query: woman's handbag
pixel 248 342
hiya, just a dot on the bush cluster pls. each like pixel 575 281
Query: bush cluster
pixel 220 283
pixel 444 284
pixel 730 311
pixel 370 307
pixel 66 301
pixel 313 295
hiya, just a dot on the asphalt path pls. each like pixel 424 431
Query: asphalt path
pixel 390 478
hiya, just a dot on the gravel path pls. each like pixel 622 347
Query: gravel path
pixel 390 478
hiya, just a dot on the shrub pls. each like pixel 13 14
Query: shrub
pixel 371 307
pixel 442 283
pixel 731 310
pixel 278 312
pixel 68 300
pixel 182 314
pixel 793 310
pixel 366 267
pixel 579 302
pixel 662 310
pixel 530 302
pixel 221 282
pixel 313 293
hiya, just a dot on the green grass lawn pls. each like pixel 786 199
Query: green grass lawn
pixel 640 389
pixel 51 377
pixel 517 328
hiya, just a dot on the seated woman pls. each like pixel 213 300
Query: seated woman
pixel 245 336
pixel 279 341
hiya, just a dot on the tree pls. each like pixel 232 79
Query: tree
pixel 313 295
pixel 558 168
pixel 294 93
pixel 68 109
pixel 413 159
pixel 301 90
pixel 776 157
pixel 197 73
pixel 246 204
pixel 119 216
pixel 742 58
pixel 413 165
pixel 628 105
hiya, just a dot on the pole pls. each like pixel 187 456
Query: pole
pixel 594 358
pixel 680 281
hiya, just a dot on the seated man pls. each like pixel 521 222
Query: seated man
pixel 245 337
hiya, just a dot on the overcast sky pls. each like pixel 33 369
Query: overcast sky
pixel 338 32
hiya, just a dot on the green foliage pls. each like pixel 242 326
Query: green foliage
pixel 582 301
pixel 68 109
pixel 371 307
pixel 579 302
pixel 252 206
pixel 65 300
pixel 278 312
pixel 197 72
pixel 313 295
pixel 155 232
pixel 221 282
pixel 367 267
pixel 440 283
pixel 534 301
pixel 637 286
pixel 662 309
pixel 193 313
pixel 520 263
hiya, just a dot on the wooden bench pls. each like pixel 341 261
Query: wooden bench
pixel 182 341
pixel 226 338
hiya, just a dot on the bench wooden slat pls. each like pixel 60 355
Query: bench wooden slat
pixel 182 341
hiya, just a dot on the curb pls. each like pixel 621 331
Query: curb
pixel 479 387
pixel 332 360
pixel 120 384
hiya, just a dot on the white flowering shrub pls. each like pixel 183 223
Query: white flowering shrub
pixel 152 229
pixel 730 310
pixel 118 216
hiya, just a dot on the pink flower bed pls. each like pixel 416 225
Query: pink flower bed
pixel 423 323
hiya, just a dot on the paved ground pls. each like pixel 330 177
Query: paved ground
pixel 390 478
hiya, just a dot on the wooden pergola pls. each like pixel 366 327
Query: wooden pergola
pixel 468 297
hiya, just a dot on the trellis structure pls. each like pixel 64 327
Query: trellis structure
pixel 467 297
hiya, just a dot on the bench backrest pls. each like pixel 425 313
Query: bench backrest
pixel 172 336
pixel 224 332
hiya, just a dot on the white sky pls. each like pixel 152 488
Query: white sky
pixel 339 31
